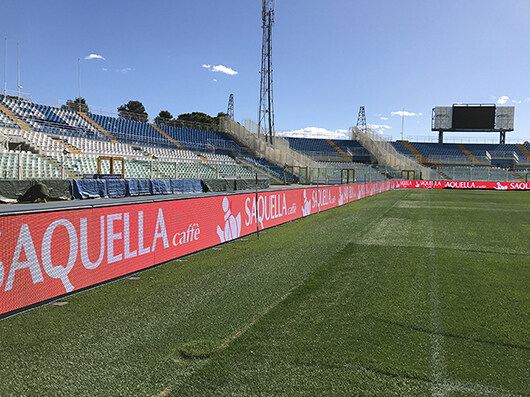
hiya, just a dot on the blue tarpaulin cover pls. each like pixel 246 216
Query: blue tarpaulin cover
pixel 89 188
pixel 160 186
pixel 116 187
pixel 186 185
pixel 137 187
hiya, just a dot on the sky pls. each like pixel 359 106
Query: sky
pixel 329 58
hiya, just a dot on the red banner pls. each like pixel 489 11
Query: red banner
pixel 46 255
pixel 406 184
pixel 481 185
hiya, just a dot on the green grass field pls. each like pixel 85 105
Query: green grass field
pixel 407 293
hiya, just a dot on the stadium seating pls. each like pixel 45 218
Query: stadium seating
pixel 52 120
pixel 321 148
pixel 6 121
pixel 452 153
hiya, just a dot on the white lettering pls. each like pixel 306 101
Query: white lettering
pixel 126 240
pixel 85 260
pixel 24 242
pixel 111 236
pixel 59 272
pixel 160 224
pixel 141 249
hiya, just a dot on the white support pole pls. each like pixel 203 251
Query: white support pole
pixel 18 71
pixel 20 176
pixel 5 67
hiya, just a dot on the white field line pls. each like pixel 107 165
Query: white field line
pixel 437 357
pixel 440 386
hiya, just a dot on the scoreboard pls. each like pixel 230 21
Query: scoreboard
pixel 473 118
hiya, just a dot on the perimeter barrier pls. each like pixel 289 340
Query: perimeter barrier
pixel 53 252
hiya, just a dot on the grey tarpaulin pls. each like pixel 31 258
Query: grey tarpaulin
pixel 232 184
pixel 11 190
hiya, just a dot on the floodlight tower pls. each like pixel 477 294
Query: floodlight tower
pixel 266 108
pixel 361 119
pixel 230 111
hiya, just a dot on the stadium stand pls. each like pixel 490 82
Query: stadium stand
pixel 41 141
pixel 457 154
pixel 323 149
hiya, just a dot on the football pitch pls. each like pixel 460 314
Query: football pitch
pixel 407 293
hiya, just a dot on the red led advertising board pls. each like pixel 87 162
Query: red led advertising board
pixel 45 255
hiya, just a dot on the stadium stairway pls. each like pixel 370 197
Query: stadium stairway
pixel 467 153
pixel 174 141
pixel 71 173
pixel 98 127
pixel 238 143
pixel 338 149
pixel 516 175
pixel 443 175
pixel 523 149
pixel 12 116
pixel 167 136
pixel 261 171
pixel 421 158
pixel 70 148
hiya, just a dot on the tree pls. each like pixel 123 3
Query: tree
pixel 78 105
pixel 164 117
pixel 196 117
pixel 133 110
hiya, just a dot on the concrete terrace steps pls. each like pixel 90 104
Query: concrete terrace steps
pixel 467 153
pixel 523 149
pixel 99 128
pixel 69 172
pixel 68 146
pixel 261 171
pixel 421 158
pixel 175 142
pixel 338 149
pixel 13 117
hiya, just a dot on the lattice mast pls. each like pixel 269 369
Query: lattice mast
pixel 230 111
pixel 361 119
pixel 266 104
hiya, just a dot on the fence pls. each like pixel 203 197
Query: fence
pixel 386 155
pixel 279 153
pixel 26 165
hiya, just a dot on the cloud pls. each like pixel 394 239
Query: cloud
pixel 95 56
pixel 384 118
pixel 316 132
pixel 104 69
pixel 404 113
pixel 220 68
pixel 125 70
pixel 379 127
pixel 502 100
